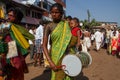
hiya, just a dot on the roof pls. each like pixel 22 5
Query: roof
pixel 30 20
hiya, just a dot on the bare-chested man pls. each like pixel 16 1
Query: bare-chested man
pixel 87 41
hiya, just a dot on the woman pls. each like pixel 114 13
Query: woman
pixel 60 36
pixel 16 66
pixel 114 43
pixel 118 49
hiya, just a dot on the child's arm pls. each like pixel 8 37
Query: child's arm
pixel 78 40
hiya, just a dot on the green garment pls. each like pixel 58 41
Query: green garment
pixel 22 50
pixel 60 38
pixel 24 32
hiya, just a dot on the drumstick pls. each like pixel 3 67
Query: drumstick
pixel 61 67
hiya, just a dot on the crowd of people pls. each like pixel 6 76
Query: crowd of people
pixel 47 44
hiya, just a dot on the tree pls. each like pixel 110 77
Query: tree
pixel 88 13
pixel 91 24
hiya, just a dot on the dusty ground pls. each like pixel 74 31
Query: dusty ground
pixel 103 67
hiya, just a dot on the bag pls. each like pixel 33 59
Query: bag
pixel 12 50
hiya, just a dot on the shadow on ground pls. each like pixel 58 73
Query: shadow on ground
pixel 46 76
pixel 81 76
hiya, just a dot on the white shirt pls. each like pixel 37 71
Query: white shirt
pixel 31 31
pixel 117 34
pixel 102 35
pixel 108 33
pixel 39 33
pixel 98 36
pixel 5 25
pixel 92 36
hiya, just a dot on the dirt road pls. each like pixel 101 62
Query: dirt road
pixel 103 67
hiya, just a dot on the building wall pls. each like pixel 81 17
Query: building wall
pixel 35 14
pixel 49 3
pixel 109 24
pixel 62 2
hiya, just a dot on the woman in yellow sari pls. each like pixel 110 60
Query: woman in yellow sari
pixel 60 37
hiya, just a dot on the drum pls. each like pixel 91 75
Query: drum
pixel 85 58
pixel 73 63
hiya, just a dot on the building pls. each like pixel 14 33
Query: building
pixel 109 24
pixel 34 10
pixel 44 5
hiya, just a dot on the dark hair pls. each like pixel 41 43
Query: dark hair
pixel 69 17
pixel 76 19
pixel 59 6
pixel 17 13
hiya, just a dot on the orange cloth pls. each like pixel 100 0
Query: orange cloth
pixel 1 78
pixel 114 43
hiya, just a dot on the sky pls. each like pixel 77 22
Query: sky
pixel 100 10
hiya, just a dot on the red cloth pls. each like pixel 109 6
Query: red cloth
pixel 17 71
pixel 74 31
pixel 118 43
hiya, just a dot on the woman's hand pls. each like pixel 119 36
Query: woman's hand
pixel 52 65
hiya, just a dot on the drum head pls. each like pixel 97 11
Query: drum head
pixel 73 65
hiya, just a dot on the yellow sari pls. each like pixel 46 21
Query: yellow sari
pixel 60 37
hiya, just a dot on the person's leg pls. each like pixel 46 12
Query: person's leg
pixel 98 45
pixel 39 58
pixel 35 59
pixel 31 51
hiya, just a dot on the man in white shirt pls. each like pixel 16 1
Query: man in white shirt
pixel 38 44
pixel 98 39
pixel 117 33
pixel 31 30
pixel 87 41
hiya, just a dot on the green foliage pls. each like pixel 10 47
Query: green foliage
pixel 87 24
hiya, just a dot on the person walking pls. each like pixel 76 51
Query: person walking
pixel 31 30
pixel 15 66
pixel 98 39
pixel 38 55
pixel 108 37
pixel 60 36
pixel 118 48
pixel 114 43
pixel 92 38
pixel 87 41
